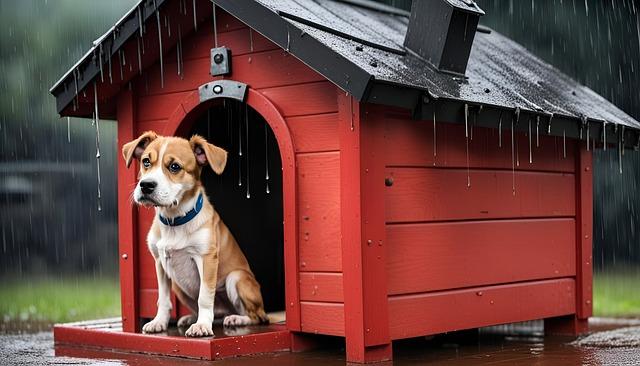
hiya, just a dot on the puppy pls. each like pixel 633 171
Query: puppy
pixel 195 253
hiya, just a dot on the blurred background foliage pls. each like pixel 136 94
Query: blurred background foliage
pixel 53 236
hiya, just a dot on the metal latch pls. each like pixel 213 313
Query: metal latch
pixel 220 61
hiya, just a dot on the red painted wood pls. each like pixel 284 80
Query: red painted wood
pixel 260 70
pixel 440 256
pixel 181 119
pixel 432 313
pixel 127 231
pixel 319 208
pixel 420 194
pixel 315 133
pixel 410 143
pixel 322 318
pixel 584 232
pixel 318 98
pixel 321 287
pixel 363 231
pixel 161 106
pixel 275 340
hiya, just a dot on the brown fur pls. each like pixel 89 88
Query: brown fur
pixel 223 255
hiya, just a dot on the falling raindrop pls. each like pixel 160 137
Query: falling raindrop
pixel 139 57
pixel 513 160
pixel 564 144
pixel 97 123
pixel 100 62
pixel 195 17
pixel 435 153
pixel 622 134
pixel 239 151
pixel 160 44
pixel 68 129
pixel 266 156
pixel 246 131
pixel 140 21
pixel 110 69
pixel 351 106
pixel 466 136
pixel 620 148
pixel 537 131
pixel 121 61
pixel 179 51
pixel 251 39
pixel 215 28
pixel 288 40
pixel 549 126
pixel 500 130
pixel 530 148
pixel 604 135
pixel 75 81
pixel 587 137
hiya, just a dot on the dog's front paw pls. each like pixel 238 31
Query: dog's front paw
pixel 154 326
pixel 199 330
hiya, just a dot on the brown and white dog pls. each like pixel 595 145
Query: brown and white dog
pixel 195 253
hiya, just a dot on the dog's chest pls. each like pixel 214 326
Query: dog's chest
pixel 176 251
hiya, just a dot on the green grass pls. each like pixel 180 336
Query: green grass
pixel 617 293
pixel 58 300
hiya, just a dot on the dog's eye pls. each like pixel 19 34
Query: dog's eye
pixel 146 162
pixel 174 168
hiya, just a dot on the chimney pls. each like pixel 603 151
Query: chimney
pixel 442 32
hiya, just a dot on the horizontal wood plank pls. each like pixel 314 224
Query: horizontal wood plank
pixel 410 143
pixel 315 133
pixel 322 318
pixel 258 70
pixel 433 313
pixel 425 194
pixel 321 286
pixel 319 212
pixel 304 99
pixel 449 255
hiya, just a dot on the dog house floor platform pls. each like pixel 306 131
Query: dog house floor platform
pixel 227 342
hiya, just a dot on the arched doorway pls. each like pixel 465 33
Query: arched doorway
pixel 265 224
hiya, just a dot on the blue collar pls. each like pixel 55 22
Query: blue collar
pixel 186 218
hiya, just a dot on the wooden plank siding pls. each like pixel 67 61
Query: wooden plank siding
pixel 309 105
pixel 464 256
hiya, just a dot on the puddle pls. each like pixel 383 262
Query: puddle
pixel 614 342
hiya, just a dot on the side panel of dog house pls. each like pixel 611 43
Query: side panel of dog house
pixel 475 239
pixel 308 104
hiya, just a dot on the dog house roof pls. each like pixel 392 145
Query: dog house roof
pixel 358 45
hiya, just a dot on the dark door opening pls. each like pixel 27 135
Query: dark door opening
pixel 248 194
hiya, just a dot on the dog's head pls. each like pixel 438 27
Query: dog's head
pixel 170 167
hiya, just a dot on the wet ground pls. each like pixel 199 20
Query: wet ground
pixel 613 342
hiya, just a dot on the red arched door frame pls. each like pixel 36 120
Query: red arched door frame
pixel 181 121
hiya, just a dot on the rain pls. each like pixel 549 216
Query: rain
pixel 58 181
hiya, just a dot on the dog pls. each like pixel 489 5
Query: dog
pixel 195 254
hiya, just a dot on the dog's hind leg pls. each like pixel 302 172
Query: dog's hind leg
pixel 187 301
pixel 244 293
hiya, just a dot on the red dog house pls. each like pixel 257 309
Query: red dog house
pixel 391 174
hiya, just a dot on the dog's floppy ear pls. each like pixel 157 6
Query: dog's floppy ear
pixel 135 148
pixel 208 153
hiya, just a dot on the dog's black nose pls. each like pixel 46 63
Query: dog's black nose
pixel 147 186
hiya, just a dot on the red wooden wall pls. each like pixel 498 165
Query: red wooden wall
pixel 464 256
pixel 309 105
